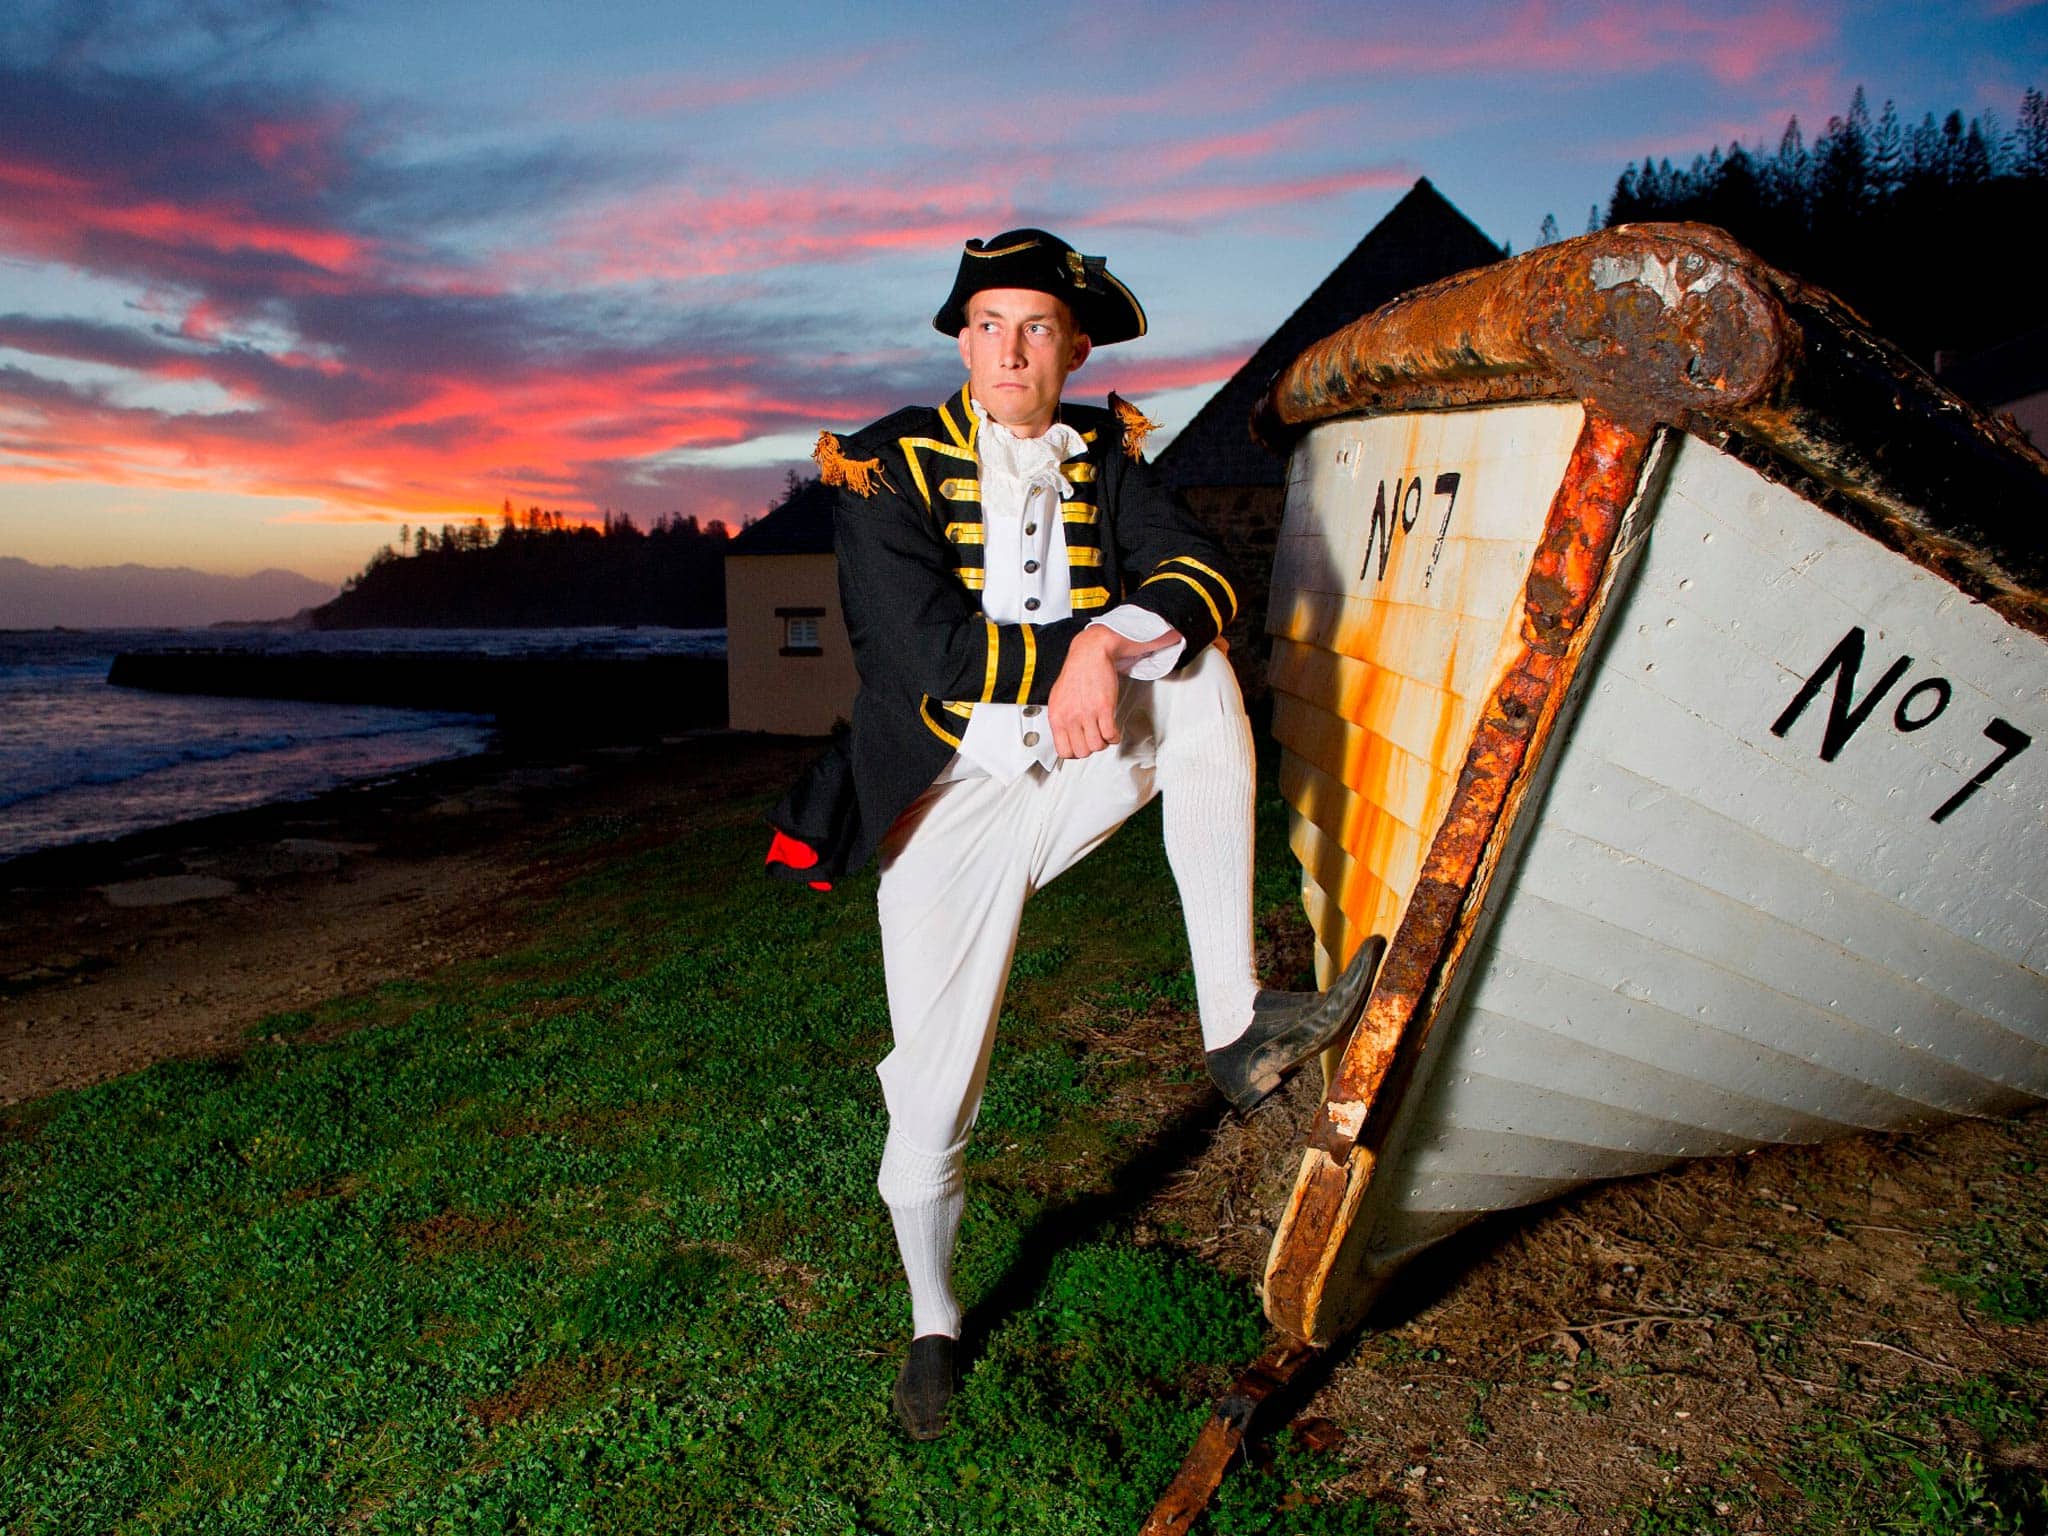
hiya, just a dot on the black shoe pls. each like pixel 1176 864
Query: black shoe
pixel 1288 1028
pixel 924 1387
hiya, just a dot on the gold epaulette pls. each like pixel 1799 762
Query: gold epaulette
pixel 1136 424
pixel 835 468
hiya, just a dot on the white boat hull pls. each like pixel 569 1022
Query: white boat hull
pixel 1780 871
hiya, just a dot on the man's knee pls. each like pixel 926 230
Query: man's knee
pixel 1198 713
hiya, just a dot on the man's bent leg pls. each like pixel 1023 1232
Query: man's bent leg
pixel 1253 1037
pixel 1202 745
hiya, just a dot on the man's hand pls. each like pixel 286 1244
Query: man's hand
pixel 1082 705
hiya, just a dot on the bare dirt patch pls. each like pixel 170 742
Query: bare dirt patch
pixel 547 1386
pixel 1661 1343
pixel 461 1232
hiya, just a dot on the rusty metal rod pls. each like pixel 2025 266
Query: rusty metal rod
pixel 1223 1436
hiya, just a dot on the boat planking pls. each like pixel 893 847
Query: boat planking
pixel 1659 663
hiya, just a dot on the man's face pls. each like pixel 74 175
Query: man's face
pixel 1019 347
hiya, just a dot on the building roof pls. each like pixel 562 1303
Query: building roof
pixel 802 525
pixel 1421 239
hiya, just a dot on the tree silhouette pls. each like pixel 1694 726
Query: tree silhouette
pixel 540 569
pixel 1902 223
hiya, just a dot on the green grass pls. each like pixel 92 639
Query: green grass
pixel 1282 1495
pixel 585 1239
pixel 1906 1463
pixel 1998 1263
pixel 1918 1460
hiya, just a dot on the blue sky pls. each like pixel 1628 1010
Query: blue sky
pixel 276 279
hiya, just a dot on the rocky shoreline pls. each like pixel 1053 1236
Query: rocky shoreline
pixel 180 940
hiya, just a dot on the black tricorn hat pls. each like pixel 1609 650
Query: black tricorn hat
pixel 1103 308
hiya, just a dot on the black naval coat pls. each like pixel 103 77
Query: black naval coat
pixel 908 535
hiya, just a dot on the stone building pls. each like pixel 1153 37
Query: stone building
pixel 789 666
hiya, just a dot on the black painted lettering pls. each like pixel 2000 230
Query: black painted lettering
pixel 1411 502
pixel 1446 485
pixel 1846 713
pixel 1379 532
pixel 1938 688
pixel 2011 741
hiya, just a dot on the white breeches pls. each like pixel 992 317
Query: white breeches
pixel 958 866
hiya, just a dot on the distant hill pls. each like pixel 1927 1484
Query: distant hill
pixel 146 596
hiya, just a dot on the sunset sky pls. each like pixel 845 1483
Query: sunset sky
pixel 276 278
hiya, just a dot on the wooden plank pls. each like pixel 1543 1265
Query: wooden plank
pixel 1379 674
pixel 1633 899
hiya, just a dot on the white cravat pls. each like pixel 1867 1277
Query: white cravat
pixel 1026 580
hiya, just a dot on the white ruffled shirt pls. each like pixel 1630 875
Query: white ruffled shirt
pixel 1027 581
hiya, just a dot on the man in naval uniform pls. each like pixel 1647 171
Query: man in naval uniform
pixel 1034 617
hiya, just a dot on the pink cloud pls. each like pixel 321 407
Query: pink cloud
pixel 56 215
pixel 448 444
pixel 1733 43
pixel 1141 376
pixel 671 234
pixel 1196 204
pixel 674 235
pixel 1178 158
pixel 390 404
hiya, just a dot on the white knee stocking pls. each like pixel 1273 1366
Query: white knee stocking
pixel 925 1193
pixel 1205 788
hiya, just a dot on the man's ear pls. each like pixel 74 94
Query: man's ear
pixel 1082 347
pixel 965 362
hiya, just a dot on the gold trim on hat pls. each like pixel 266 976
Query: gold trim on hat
pixel 1007 250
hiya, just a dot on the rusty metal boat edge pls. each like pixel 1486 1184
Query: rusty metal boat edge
pixel 1681 326
pixel 1654 329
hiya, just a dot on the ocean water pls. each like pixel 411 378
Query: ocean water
pixel 81 760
